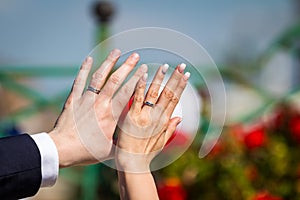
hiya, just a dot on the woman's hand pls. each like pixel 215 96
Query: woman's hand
pixel 145 130
pixel 147 126
pixel 83 132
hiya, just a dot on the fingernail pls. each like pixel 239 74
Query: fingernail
pixel 89 60
pixel 135 56
pixel 145 76
pixel 144 67
pixel 179 121
pixel 115 53
pixel 165 68
pixel 182 67
pixel 186 76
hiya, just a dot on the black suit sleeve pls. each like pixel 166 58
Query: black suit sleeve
pixel 20 167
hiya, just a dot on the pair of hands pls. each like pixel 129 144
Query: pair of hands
pixel 84 131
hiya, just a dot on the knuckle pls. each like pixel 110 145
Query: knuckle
pixel 175 99
pixel 115 79
pixel 168 94
pixel 153 94
pixel 141 86
pixel 138 99
pixel 97 76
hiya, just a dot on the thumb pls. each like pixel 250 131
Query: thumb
pixel 173 123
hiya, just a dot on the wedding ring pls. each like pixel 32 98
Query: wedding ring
pixel 147 103
pixel 96 91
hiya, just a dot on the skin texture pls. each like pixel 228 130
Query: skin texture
pixel 83 133
pixel 144 131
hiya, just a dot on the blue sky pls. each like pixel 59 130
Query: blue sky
pixel 53 32
pixel 61 32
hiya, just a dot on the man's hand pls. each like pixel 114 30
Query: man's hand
pixel 84 131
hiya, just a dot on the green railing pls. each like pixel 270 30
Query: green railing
pixel 89 178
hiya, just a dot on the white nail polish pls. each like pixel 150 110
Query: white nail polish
pixel 165 68
pixel 186 76
pixel 145 76
pixel 182 67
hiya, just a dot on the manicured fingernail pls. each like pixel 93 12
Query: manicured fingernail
pixel 135 56
pixel 165 68
pixel 182 67
pixel 144 67
pixel 145 76
pixel 89 60
pixel 186 76
pixel 115 53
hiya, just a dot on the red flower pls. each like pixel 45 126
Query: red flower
pixel 171 189
pixel 255 137
pixel 216 150
pixel 266 196
pixel 279 117
pixel 294 126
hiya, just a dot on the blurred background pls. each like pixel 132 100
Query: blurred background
pixel 255 45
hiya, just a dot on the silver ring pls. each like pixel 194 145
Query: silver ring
pixel 96 91
pixel 147 103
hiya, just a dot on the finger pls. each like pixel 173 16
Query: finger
pixel 177 94
pixel 123 95
pixel 139 94
pixel 152 94
pixel 168 92
pixel 79 83
pixel 173 123
pixel 117 78
pixel 99 77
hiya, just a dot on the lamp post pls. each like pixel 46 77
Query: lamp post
pixel 103 12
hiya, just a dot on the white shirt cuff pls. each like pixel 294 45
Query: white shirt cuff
pixel 49 158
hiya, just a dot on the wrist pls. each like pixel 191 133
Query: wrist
pixel 61 149
pixel 70 152
pixel 132 162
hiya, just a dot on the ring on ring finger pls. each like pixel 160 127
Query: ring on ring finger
pixel 94 90
pixel 147 103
